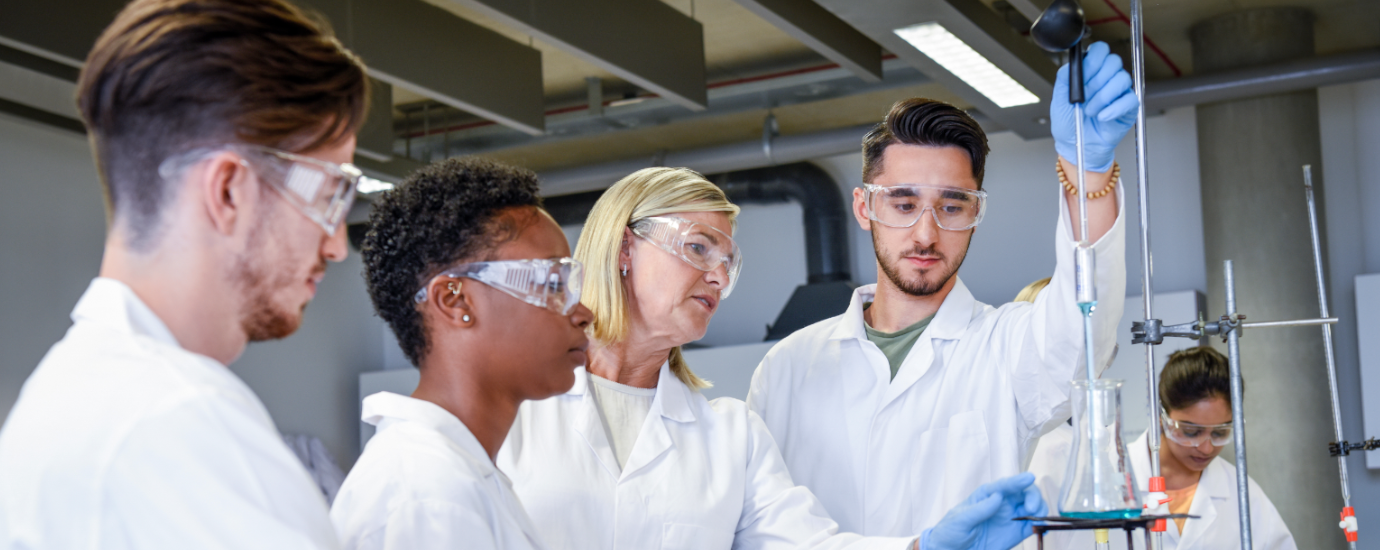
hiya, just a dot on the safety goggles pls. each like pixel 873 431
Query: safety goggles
pixel 322 191
pixel 953 208
pixel 550 284
pixel 1189 434
pixel 700 245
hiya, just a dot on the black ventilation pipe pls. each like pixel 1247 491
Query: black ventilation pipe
pixel 829 286
pixel 821 205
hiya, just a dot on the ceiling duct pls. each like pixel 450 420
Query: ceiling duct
pixel 829 287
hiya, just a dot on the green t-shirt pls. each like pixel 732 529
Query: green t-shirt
pixel 896 345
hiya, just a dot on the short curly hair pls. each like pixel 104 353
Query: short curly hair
pixel 441 215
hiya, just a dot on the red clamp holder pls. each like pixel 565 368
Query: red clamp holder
pixel 1156 503
pixel 1348 523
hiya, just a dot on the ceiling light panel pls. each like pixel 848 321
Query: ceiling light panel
pixel 937 43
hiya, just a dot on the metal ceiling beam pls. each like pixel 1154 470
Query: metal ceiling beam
pixel 38 63
pixel 1031 9
pixel 646 42
pixel 711 160
pixel 59 30
pixel 39 90
pixel 981 29
pixel 824 33
pixel 482 71
pixel 777 92
pixel 419 47
pixel 41 116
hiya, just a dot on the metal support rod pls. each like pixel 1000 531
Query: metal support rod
pixel 1326 331
pixel 1296 323
pixel 1154 540
pixel 1238 417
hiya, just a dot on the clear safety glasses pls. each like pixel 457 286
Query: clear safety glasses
pixel 322 191
pixel 1189 434
pixel 953 208
pixel 700 245
pixel 550 284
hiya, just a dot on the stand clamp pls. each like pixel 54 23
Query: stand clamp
pixel 1229 323
pixel 1153 331
pixel 1344 448
pixel 1149 331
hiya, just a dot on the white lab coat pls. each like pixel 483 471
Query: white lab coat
pixel 702 475
pixel 122 439
pixel 1214 502
pixel 888 457
pixel 424 482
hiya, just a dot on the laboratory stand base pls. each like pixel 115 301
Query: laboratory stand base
pixel 1062 523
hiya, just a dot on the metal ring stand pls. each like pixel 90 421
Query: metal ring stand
pixel 1230 327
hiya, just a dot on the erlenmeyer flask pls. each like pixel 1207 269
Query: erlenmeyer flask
pixel 1099 482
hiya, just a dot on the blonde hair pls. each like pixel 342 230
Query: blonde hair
pixel 1032 290
pixel 644 193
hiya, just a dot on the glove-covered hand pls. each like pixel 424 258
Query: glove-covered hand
pixel 1109 109
pixel 986 521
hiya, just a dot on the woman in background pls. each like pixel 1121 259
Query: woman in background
pixel 1195 391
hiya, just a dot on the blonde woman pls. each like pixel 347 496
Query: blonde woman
pixel 633 456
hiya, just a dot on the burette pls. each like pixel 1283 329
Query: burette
pixel 1156 483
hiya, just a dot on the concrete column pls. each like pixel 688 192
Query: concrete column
pixel 1250 152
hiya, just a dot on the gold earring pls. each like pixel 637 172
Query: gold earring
pixel 454 289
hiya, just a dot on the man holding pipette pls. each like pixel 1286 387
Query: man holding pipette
pixel 895 411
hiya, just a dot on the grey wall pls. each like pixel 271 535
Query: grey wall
pixel 1350 123
pixel 52 230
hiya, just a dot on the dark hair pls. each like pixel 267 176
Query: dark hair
pixel 441 215
pixel 169 76
pixel 920 121
pixel 1192 375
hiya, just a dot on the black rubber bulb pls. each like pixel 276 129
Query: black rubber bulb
pixel 1059 28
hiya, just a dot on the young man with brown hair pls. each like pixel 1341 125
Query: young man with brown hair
pixel 222 130
pixel 894 411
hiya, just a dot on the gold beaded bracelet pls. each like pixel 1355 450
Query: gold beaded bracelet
pixel 1072 189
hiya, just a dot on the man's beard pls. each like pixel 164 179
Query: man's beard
pixel 261 318
pixel 918 287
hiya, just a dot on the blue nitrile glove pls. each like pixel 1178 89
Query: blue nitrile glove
pixel 986 521
pixel 1109 109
